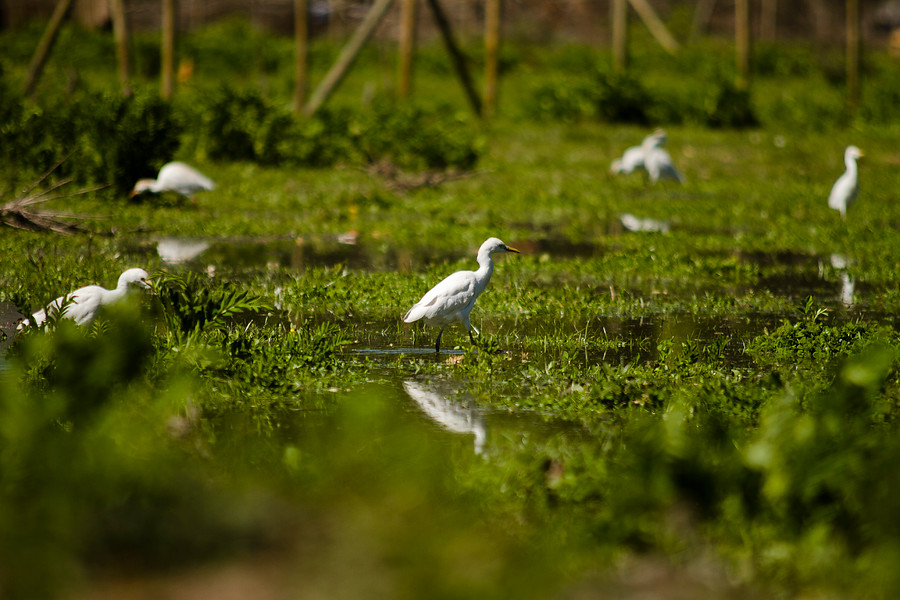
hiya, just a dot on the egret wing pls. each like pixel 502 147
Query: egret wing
pixel 445 299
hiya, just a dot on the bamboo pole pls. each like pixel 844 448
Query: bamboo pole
pixel 120 32
pixel 853 55
pixel 408 16
pixel 619 20
pixel 167 84
pixel 655 25
pixel 491 54
pixel 301 53
pixel 768 18
pixel 702 14
pixel 742 42
pixel 46 43
pixel 347 56
pixel 456 56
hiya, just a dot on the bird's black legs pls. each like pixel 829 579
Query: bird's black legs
pixel 471 339
pixel 437 344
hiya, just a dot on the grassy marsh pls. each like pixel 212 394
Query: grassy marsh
pixel 720 399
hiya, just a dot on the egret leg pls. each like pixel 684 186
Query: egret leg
pixel 437 344
pixel 471 339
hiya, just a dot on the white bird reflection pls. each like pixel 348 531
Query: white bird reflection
pixel 848 286
pixel 848 282
pixel 633 223
pixel 451 415
pixel 176 251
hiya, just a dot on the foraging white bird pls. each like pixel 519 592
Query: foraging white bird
pixel 175 177
pixel 631 160
pixel 845 189
pixel 657 160
pixel 82 305
pixel 453 298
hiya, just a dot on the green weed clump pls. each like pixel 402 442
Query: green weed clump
pixel 241 125
pixel 108 139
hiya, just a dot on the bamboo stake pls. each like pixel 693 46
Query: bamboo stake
pixel 301 51
pixel 120 31
pixel 408 15
pixel 655 25
pixel 853 55
pixel 768 19
pixel 43 49
pixel 456 56
pixel 742 42
pixel 168 49
pixel 491 54
pixel 619 19
pixel 702 14
pixel 347 56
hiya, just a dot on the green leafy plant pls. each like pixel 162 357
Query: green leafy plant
pixel 193 305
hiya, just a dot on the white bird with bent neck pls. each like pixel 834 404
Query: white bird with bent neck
pixel 82 305
pixel 453 298
pixel 845 189
pixel 175 177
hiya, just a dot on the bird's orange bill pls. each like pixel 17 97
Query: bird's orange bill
pixel 511 249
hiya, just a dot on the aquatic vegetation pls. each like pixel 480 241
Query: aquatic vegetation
pixel 710 394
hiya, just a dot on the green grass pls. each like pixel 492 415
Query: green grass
pixel 701 398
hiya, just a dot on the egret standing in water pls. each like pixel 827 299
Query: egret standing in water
pixel 175 177
pixel 657 161
pixel 453 298
pixel 844 191
pixel 82 305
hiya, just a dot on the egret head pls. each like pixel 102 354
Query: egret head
pixel 138 277
pixel 853 152
pixel 492 245
pixel 143 185
pixel 657 139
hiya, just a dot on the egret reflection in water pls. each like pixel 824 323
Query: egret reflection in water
pixel 449 414
pixel 176 251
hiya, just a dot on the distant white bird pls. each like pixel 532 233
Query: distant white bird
pixel 844 190
pixel 632 159
pixel 175 177
pixel 657 161
pixel 451 415
pixel 82 305
pixel 453 298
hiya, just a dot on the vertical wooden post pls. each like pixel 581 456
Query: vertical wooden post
pixel 853 55
pixel 43 49
pixel 619 20
pixel 348 54
pixel 408 16
pixel 167 84
pixel 702 14
pixel 742 42
pixel 767 19
pixel 301 52
pixel 456 56
pixel 120 32
pixel 491 54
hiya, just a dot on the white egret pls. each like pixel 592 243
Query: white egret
pixel 657 160
pixel 453 298
pixel 844 191
pixel 631 160
pixel 175 177
pixel 82 305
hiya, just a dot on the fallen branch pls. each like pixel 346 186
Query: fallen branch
pixel 20 214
